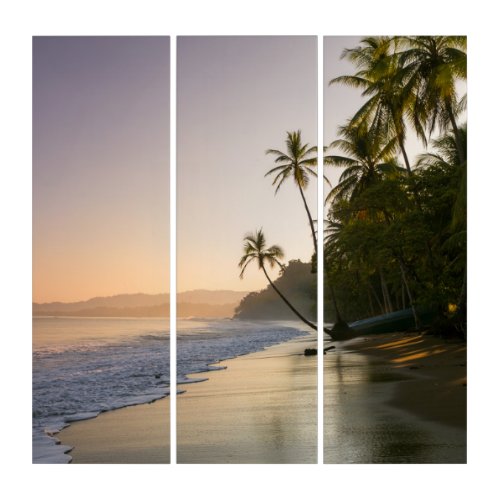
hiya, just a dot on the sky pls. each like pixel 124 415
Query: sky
pixel 100 166
pixel 101 157
pixel 236 98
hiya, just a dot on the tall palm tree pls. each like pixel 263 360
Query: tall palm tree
pixel 382 78
pixel 254 249
pixel 434 65
pixel 369 158
pixel 296 163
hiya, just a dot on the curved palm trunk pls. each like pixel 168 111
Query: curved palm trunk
pixel 285 300
pixel 311 222
pixel 336 313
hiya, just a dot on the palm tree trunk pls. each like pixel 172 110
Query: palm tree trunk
pixel 451 116
pixel 405 155
pixel 385 292
pixel 403 294
pixel 381 307
pixel 336 313
pixel 410 295
pixel 311 222
pixel 285 300
pixel 403 268
pixel 370 302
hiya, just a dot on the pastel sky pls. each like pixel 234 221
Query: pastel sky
pixel 101 157
pixel 100 166
pixel 236 98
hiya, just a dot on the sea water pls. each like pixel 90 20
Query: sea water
pixel 203 342
pixel 84 366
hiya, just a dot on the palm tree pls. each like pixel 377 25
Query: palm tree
pixel 370 158
pixel 434 65
pixel 382 78
pixel 254 249
pixel 297 163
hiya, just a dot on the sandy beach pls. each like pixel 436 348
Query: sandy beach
pixel 437 391
pixel 395 398
pixel 133 435
pixel 261 409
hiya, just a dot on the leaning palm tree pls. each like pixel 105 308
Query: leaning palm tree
pixel 254 249
pixel 296 163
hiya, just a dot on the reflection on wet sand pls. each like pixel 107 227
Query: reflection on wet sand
pixel 262 409
pixel 360 425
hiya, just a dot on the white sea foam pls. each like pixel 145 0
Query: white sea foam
pixel 202 342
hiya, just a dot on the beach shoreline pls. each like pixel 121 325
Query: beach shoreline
pixel 261 407
pixel 104 438
pixel 135 434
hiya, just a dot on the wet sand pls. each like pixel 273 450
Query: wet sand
pixel 395 398
pixel 261 409
pixel 391 398
pixel 133 435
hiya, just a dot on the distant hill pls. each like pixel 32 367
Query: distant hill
pixel 123 301
pixel 199 303
pixel 214 297
pixel 297 284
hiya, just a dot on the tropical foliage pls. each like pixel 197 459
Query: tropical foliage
pixel 395 234
pixel 396 227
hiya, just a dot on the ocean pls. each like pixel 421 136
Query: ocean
pixel 201 342
pixel 84 366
